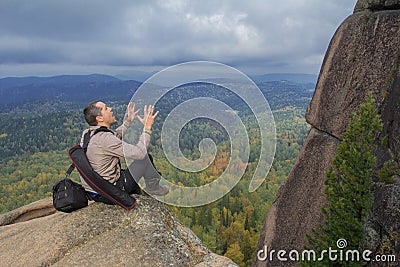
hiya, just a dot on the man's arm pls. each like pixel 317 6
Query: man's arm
pixel 121 130
pixel 114 146
pixel 138 151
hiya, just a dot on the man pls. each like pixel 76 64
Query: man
pixel 106 148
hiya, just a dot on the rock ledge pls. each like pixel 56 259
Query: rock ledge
pixel 101 235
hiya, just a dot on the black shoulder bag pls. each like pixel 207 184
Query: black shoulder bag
pixel 67 194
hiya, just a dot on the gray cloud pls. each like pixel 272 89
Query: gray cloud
pixel 259 35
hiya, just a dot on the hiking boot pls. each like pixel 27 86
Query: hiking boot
pixel 154 188
pixel 160 191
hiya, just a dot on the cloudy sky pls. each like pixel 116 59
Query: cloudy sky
pixel 48 37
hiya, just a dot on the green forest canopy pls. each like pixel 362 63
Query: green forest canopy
pixel 33 147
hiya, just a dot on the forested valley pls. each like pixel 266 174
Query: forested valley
pixel 35 136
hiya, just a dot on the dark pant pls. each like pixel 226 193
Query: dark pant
pixel 143 168
pixel 130 177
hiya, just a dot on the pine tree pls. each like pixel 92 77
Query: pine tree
pixel 348 188
pixel 246 223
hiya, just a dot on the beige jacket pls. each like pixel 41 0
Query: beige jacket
pixel 105 149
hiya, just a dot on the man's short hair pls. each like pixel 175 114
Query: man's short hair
pixel 91 112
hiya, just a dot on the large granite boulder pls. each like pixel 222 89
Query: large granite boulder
pixel 374 5
pixel 363 56
pixel 101 235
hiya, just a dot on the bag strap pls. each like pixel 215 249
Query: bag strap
pixel 86 139
pixel 70 169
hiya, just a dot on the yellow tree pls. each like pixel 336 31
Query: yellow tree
pixel 234 253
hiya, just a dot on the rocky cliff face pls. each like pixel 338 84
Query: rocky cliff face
pixel 363 56
pixel 101 235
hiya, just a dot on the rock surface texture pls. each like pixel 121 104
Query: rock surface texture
pixel 101 235
pixel 363 56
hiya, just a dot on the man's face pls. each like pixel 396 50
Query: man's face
pixel 106 114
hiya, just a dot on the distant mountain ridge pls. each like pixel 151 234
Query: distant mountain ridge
pixel 291 77
pixel 10 82
pixel 86 88
pixel 80 88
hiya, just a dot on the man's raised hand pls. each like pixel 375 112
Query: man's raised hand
pixel 131 113
pixel 148 117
